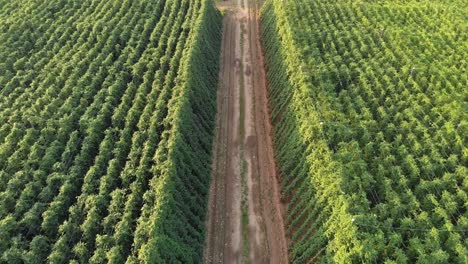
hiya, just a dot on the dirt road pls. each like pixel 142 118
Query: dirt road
pixel 245 223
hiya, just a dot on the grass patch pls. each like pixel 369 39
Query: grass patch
pixel 243 162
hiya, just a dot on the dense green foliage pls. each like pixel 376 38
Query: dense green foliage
pixel 106 119
pixel 369 103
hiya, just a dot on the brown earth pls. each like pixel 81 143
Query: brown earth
pixel 245 223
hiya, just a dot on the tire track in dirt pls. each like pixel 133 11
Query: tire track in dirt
pixel 216 200
pixel 243 136
pixel 268 187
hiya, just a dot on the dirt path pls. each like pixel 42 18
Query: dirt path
pixel 245 223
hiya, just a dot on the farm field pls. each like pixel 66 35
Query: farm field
pixel 233 131
pixel 107 111
pixel 369 107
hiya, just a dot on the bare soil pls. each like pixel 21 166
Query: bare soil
pixel 245 217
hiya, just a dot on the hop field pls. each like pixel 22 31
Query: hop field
pixel 107 113
pixel 108 117
pixel 369 105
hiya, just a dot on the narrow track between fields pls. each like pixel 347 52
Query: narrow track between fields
pixel 245 222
